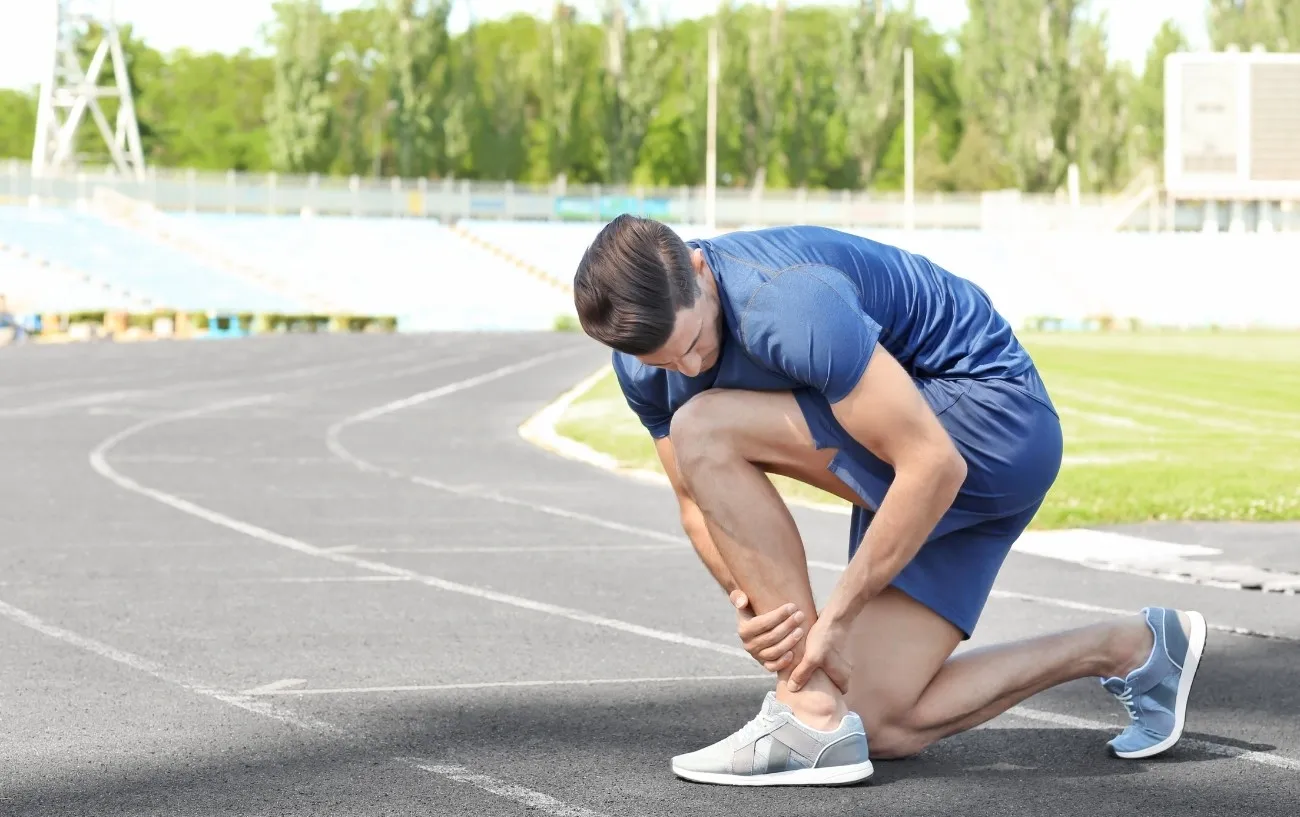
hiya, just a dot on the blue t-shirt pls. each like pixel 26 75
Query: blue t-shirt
pixel 803 308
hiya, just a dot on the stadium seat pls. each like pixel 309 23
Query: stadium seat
pixel 132 262
pixel 30 287
pixel 417 269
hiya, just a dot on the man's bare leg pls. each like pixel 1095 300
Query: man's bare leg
pixel 717 448
pixel 907 686
pixel 911 691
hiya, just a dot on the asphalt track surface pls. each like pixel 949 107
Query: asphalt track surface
pixel 323 575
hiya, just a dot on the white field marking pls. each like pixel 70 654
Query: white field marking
pixel 679 679
pixel 1076 460
pixel 42 409
pixel 510 791
pixel 1195 402
pixel 1173 414
pixel 1217 749
pixel 1091 547
pixel 1104 419
pixel 140 664
pixel 540 428
pixel 488 549
pixel 99 461
pixel 274 686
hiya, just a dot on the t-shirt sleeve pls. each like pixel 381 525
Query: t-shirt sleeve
pixel 809 324
pixel 646 394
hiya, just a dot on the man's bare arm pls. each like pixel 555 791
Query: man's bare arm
pixel 693 519
pixel 887 414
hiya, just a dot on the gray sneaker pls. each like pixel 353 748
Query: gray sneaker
pixel 776 749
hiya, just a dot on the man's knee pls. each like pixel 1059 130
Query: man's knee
pixel 701 431
pixel 893 740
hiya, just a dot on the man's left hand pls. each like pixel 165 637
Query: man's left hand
pixel 825 649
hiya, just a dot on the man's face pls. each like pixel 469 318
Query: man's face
pixel 694 345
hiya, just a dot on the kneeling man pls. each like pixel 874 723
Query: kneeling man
pixel 876 375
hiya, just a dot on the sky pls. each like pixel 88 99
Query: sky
pixel 26 33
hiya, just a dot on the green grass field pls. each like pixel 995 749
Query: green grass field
pixel 1157 426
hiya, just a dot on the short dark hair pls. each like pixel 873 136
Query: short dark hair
pixel 631 282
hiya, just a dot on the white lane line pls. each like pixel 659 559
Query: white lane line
pixel 488 549
pixel 140 664
pixel 1217 749
pixel 582 682
pixel 42 409
pixel 510 791
pixel 246 702
pixel 99 461
pixel 329 579
pixel 276 686
pixel 452 388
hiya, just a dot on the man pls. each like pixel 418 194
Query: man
pixel 878 376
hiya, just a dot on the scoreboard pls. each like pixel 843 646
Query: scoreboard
pixel 1232 126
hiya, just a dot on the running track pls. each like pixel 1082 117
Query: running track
pixel 323 575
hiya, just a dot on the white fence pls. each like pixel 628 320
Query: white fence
pixel 451 200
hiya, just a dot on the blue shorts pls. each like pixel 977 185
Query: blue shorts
pixel 1010 435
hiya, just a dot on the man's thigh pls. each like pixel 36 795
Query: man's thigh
pixel 766 428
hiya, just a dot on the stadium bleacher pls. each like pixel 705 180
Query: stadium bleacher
pixel 554 247
pixel 33 288
pixel 133 263
pixel 417 269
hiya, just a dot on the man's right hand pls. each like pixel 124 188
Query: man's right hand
pixel 771 637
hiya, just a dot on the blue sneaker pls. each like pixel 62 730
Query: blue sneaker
pixel 1155 694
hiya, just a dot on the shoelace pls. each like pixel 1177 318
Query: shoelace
pixel 748 732
pixel 1126 698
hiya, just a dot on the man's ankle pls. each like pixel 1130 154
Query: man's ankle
pixel 819 704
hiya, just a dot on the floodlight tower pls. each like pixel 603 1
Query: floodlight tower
pixel 68 90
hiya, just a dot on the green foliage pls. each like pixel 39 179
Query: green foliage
pixel 810 95
pixel 299 110
pixel 1274 24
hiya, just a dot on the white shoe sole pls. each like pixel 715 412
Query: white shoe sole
pixel 830 776
pixel 1195 648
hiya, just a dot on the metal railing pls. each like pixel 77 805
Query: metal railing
pixel 450 200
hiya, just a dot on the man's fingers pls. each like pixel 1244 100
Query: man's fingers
pixel 802 673
pixel 759 625
pixel 739 599
pixel 779 664
pixel 785 645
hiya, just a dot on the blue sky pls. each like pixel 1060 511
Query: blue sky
pixel 228 25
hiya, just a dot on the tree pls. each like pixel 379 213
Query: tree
pixel 417 44
pixel 634 74
pixel 17 123
pixel 1099 138
pixel 1274 24
pixel 1015 82
pixel 299 111
pixel 938 116
pixel 870 89
pixel 1147 101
